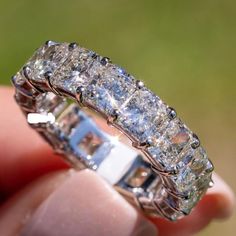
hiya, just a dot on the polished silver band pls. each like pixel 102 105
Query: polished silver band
pixel 165 173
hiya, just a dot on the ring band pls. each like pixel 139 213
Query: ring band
pixel 165 173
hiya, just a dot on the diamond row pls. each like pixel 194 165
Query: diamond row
pixel 171 147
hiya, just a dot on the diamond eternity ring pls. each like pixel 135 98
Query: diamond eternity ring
pixel 165 171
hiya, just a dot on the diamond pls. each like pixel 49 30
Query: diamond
pixel 109 88
pixel 142 115
pixel 47 58
pixel 18 80
pixel 187 205
pixel 193 175
pixel 72 73
pixel 170 144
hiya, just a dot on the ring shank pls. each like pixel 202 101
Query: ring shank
pixel 167 171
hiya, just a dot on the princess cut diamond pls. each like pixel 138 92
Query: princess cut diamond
pixel 47 58
pixel 187 204
pixel 72 72
pixel 142 115
pixel 109 88
pixel 193 175
pixel 170 144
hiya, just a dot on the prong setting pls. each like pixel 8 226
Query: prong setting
pixel 26 72
pixel 105 60
pixel 72 46
pixel 47 76
pixel 166 173
pixel 79 94
pixel 172 114
pixel 196 142
pixel 142 145
pixel 139 84
pixel 211 183
pixel 210 167
pixel 113 117
pixel 49 43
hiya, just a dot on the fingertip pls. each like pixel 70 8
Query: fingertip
pixel 86 205
pixel 218 203
pixel 223 196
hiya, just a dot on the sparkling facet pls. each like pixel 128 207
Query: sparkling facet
pixel 142 115
pixel 168 147
pixel 47 58
pixel 72 72
pixel 188 204
pixel 109 87
pixel 191 175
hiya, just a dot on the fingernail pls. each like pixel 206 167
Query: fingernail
pixel 86 205
pixel 224 197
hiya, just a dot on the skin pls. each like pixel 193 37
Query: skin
pixel 40 195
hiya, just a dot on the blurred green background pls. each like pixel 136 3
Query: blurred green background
pixel 184 50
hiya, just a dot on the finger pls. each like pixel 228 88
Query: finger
pixel 217 204
pixel 82 205
pixel 224 196
pixel 16 211
pixel 23 151
pixel 24 155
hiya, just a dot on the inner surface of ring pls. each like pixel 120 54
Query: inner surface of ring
pixel 69 129
pixel 176 172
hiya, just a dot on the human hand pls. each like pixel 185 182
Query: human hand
pixel 41 197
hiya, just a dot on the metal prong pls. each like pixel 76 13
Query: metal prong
pixel 176 194
pixel 185 213
pixel 210 167
pixel 72 46
pixel 172 114
pixel 79 94
pixel 139 84
pixel 95 55
pixel 142 145
pixel 26 73
pixel 49 43
pixel 166 173
pixel 14 81
pixel 113 117
pixel 196 143
pixel 48 76
pixel 105 61
pixel 94 93
pixel 177 209
pixel 20 87
pixel 211 183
